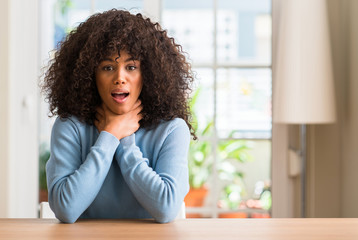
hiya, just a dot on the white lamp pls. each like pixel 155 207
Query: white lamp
pixel 304 88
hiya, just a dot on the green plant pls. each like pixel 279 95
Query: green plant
pixel 263 191
pixel 200 157
pixel 43 158
pixel 231 196
pixel 200 160
pixel 266 199
pixel 229 152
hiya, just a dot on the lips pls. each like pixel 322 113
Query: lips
pixel 120 95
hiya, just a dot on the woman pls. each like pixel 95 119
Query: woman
pixel 119 86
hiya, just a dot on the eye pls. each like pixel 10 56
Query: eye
pixel 131 67
pixel 107 68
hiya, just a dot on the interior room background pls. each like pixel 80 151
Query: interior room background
pixel 241 157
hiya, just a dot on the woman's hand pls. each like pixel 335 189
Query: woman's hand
pixel 119 126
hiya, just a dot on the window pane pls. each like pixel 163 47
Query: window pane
pixel 203 98
pixel 68 14
pixel 133 6
pixel 191 24
pixel 244 103
pixel 244 32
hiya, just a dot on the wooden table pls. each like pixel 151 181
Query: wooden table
pixel 222 229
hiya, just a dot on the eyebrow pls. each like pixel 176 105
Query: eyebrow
pixel 114 60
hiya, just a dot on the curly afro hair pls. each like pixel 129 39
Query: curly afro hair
pixel 70 85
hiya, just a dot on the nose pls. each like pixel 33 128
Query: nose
pixel 119 78
pixel 118 81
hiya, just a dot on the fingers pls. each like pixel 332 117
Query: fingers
pixel 137 108
pixel 139 116
pixel 100 111
pixel 137 104
pixel 138 112
pixel 103 109
pixel 100 115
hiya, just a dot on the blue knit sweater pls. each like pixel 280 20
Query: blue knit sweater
pixel 94 175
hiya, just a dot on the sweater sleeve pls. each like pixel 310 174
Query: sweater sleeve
pixel 73 184
pixel 160 190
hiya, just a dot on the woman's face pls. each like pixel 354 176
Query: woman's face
pixel 119 82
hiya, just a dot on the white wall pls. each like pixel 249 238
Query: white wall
pixel 4 88
pixel 334 148
pixel 350 125
pixel 18 108
pixel 325 141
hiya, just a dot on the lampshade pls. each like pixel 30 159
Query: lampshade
pixel 304 88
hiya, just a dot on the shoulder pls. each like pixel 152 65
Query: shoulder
pixel 175 130
pixel 165 128
pixel 68 125
pixel 175 136
pixel 174 125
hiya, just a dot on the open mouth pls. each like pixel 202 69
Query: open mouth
pixel 120 96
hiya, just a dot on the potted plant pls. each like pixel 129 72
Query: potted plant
pixel 232 152
pixel 261 199
pixel 199 163
pixel 43 158
pixel 201 159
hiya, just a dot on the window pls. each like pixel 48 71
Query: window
pixel 228 43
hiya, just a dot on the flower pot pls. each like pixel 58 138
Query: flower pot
pixel 43 195
pixel 195 198
pixel 233 215
pixel 260 215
